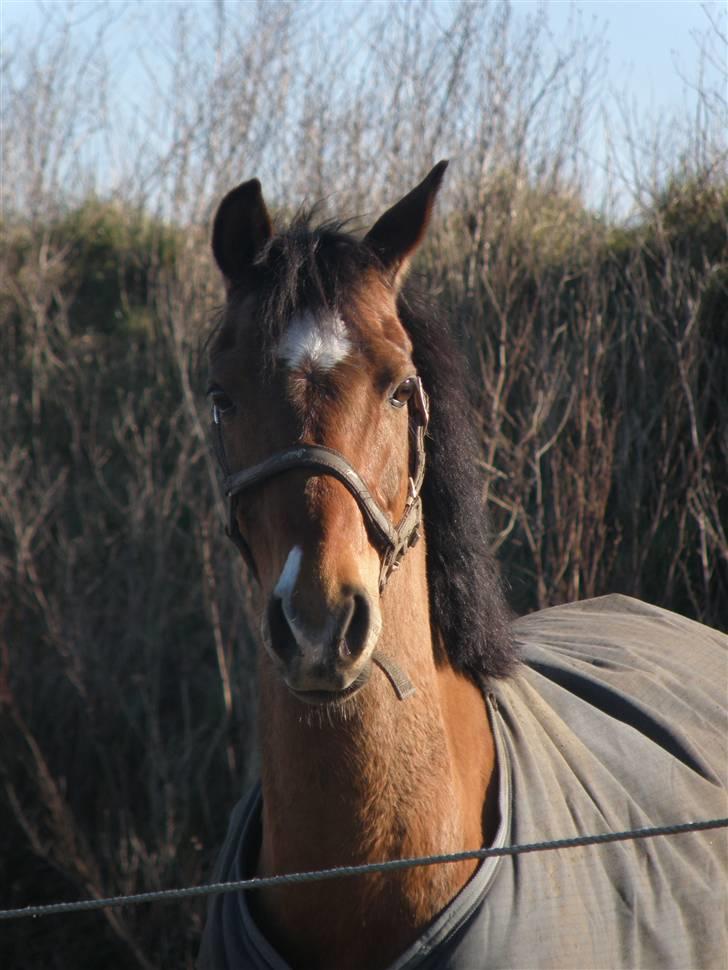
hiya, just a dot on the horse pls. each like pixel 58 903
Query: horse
pixel 403 710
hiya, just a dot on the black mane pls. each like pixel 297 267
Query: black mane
pixel 467 603
pixel 310 268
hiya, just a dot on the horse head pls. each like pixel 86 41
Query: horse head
pixel 319 416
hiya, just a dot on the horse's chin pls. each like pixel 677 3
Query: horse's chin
pixel 333 698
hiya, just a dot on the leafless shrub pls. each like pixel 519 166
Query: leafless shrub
pixel 599 349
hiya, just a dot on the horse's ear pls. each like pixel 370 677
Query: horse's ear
pixel 242 227
pixel 397 234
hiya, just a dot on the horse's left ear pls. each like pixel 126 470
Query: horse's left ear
pixel 397 234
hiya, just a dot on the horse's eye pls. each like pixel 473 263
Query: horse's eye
pixel 221 403
pixel 403 393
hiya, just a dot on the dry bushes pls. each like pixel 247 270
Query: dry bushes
pixel 599 352
pixel 117 726
pixel 604 414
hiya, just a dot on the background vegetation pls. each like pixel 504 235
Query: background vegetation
pixel 599 346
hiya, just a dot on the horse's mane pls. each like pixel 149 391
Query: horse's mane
pixel 308 267
pixel 467 602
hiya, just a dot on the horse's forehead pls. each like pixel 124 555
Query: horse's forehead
pixel 314 341
pixel 318 341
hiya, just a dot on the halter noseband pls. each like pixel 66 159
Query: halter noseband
pixel 393 541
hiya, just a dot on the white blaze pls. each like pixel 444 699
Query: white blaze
pixel 289 574
pixel 313 645
pixel 310 341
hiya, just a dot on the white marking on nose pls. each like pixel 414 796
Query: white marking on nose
pixel 314 645
pixel 289 575
pixel 316 342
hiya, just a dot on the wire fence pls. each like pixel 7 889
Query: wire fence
pixel 338 872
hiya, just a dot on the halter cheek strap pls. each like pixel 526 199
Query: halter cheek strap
pixel 232 530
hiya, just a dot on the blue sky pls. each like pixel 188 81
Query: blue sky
pixel 651 43
pixel 652 46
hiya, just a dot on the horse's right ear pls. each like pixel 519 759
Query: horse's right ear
pixel 242 227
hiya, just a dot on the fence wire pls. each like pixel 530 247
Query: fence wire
pixel 339 872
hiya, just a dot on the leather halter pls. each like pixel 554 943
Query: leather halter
pixel 393 541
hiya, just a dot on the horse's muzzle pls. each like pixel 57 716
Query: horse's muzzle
pixel 319 661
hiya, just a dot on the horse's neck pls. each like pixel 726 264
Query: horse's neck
pixel 381 779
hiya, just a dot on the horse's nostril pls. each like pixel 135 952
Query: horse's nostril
pixel 338 639
pixel 355 629
pixel 282 639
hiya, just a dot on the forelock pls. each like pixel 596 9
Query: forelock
pixel 308 271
